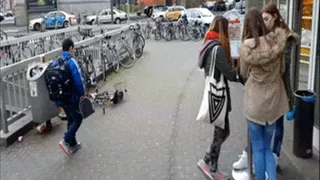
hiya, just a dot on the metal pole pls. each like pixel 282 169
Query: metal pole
pixel 128 13
pixel 250 157
pixel 4 122
pixel 295 53
pixel 111 7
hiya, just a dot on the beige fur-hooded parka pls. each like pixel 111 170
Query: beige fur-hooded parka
pixel 265 99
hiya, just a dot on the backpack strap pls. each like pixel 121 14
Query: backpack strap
pixel 65 61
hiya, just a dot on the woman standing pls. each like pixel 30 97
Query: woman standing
pixel 217 35
pixel 265 99
pixel 272 19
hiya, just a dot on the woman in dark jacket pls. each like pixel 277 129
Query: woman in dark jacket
pixel 217 35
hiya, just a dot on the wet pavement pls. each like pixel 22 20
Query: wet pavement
pixel 152 134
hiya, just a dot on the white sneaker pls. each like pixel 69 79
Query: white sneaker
pixel 242 163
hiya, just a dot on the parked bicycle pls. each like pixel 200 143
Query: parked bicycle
pixel 85 33
pixel 87 67
pixel 169 31
pixel 138 42
pixel 110 55
pixel 126 52
pixel 147 29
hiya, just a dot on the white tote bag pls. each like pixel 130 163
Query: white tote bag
pixel 214 102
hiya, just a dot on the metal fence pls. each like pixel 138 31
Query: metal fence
pixel 14 91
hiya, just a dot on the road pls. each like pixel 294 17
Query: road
pixel 12 30
pixel 151 135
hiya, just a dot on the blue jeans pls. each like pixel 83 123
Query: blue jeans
pixel 278 137
pixel 74 123
pixel 261 137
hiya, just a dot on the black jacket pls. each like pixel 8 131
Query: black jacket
pixel 223 66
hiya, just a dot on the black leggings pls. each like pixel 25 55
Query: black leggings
pixel 213 153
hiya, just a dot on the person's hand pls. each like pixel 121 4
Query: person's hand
pixel 290 115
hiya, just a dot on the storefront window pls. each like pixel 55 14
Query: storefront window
pixel 306 37
pixel 283 9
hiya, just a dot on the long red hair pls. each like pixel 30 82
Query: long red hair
pixel 220 25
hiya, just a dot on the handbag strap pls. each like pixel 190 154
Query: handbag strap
pixel 213 60
pixel 213 63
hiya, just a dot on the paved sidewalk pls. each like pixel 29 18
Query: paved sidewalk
pixel 151 135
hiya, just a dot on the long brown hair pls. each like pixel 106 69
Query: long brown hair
pixel 272 9
pixel 220 25
pixel 254 26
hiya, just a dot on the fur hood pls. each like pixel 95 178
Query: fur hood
pixel 271 47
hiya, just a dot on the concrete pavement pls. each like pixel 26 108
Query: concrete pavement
pixel 151 135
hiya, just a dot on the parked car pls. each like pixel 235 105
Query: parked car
pixel 53 19
pixel 201 14
pixel 220 5
pixel 8 16
pixel 209 5
pixel 148 11
pixel 240 6
pixel 172 13
pixel 230 4
pixel 105 16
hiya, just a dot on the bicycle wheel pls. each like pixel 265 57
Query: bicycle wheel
pixel 183 34
pixel 138 47
pixel 115 60
pixel 28 54
pixel 142 40
pixel 148 33
pixel 168 34
pixel 127 58
pixel 90 73
pixel 89 64
pixel 157 35
pixel 195 34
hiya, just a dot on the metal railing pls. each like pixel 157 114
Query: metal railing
pixel 14 91
pixel 18 49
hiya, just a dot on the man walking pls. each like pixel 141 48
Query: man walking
pixel 66 87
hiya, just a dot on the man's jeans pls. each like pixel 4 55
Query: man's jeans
pixel 74 122
pixel 261 137
pixel 277 137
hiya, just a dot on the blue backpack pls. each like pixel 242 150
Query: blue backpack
pixel 58 80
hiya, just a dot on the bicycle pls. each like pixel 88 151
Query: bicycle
pixel 138 41
pixel 16 55
pixel 195 31
pixel 85 33
pixel 169 31
pixel 86 66
pixel 126 53
pixel 147 29
pixel 109 97
pixel 158 29
pixel 110 56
